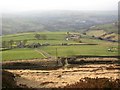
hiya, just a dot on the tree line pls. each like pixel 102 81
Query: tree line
pixel 22 43
pixel 12 43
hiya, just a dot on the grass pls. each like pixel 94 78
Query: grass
pixel 96 33
pixel 79 50
pixel 51 41
pixel 57 38
pixel 52 37
pixel 30 36
pixel 99 33
pixel 17 54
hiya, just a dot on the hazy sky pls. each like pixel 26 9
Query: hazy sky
pixel 31 5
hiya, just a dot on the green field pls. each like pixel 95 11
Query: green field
pixel 51 37
pixel 19 54
pixel 78 50
pixel 30 36
pixel 101 49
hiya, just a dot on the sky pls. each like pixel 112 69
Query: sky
pixel 41 5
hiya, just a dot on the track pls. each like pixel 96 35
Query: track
pixel 44 54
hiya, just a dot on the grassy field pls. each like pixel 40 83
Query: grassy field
pixel 30 36
pixel 17 54
pixel 96 32
pixel 101 49
pixel 51 37
pixel 79 50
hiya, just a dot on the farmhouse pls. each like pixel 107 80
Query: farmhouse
pixel 73 37
pixel 20 45
pixel 34 45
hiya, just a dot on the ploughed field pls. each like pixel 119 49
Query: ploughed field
pixel 48 74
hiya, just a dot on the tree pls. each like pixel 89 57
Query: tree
pixel 21 44
pixel 38 36
pixel 84 33
pixel 10 43
pixel 44 37
pixel 68 33
pixel 24 42
pixel 3 44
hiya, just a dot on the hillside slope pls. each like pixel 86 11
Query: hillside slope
pixel 55 21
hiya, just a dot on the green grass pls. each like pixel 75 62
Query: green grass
pixel 52 37
pixel 17 54
pixel 51 41
pixel 79 50
pixel 30 36
pixel 57 38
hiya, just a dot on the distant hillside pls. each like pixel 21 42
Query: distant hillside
pixel 110 27
pixel 104 31
pixel 55 21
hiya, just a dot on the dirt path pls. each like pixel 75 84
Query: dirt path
pixel 44 54
pixel 40 53
pixel 63 76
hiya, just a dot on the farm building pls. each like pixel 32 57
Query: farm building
pixel 72 37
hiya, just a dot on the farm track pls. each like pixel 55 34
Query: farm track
pixel 44 54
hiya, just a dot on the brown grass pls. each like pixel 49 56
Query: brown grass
pixel 96 83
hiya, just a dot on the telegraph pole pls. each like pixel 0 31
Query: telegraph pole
pixel 57 57
pixel 56 53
